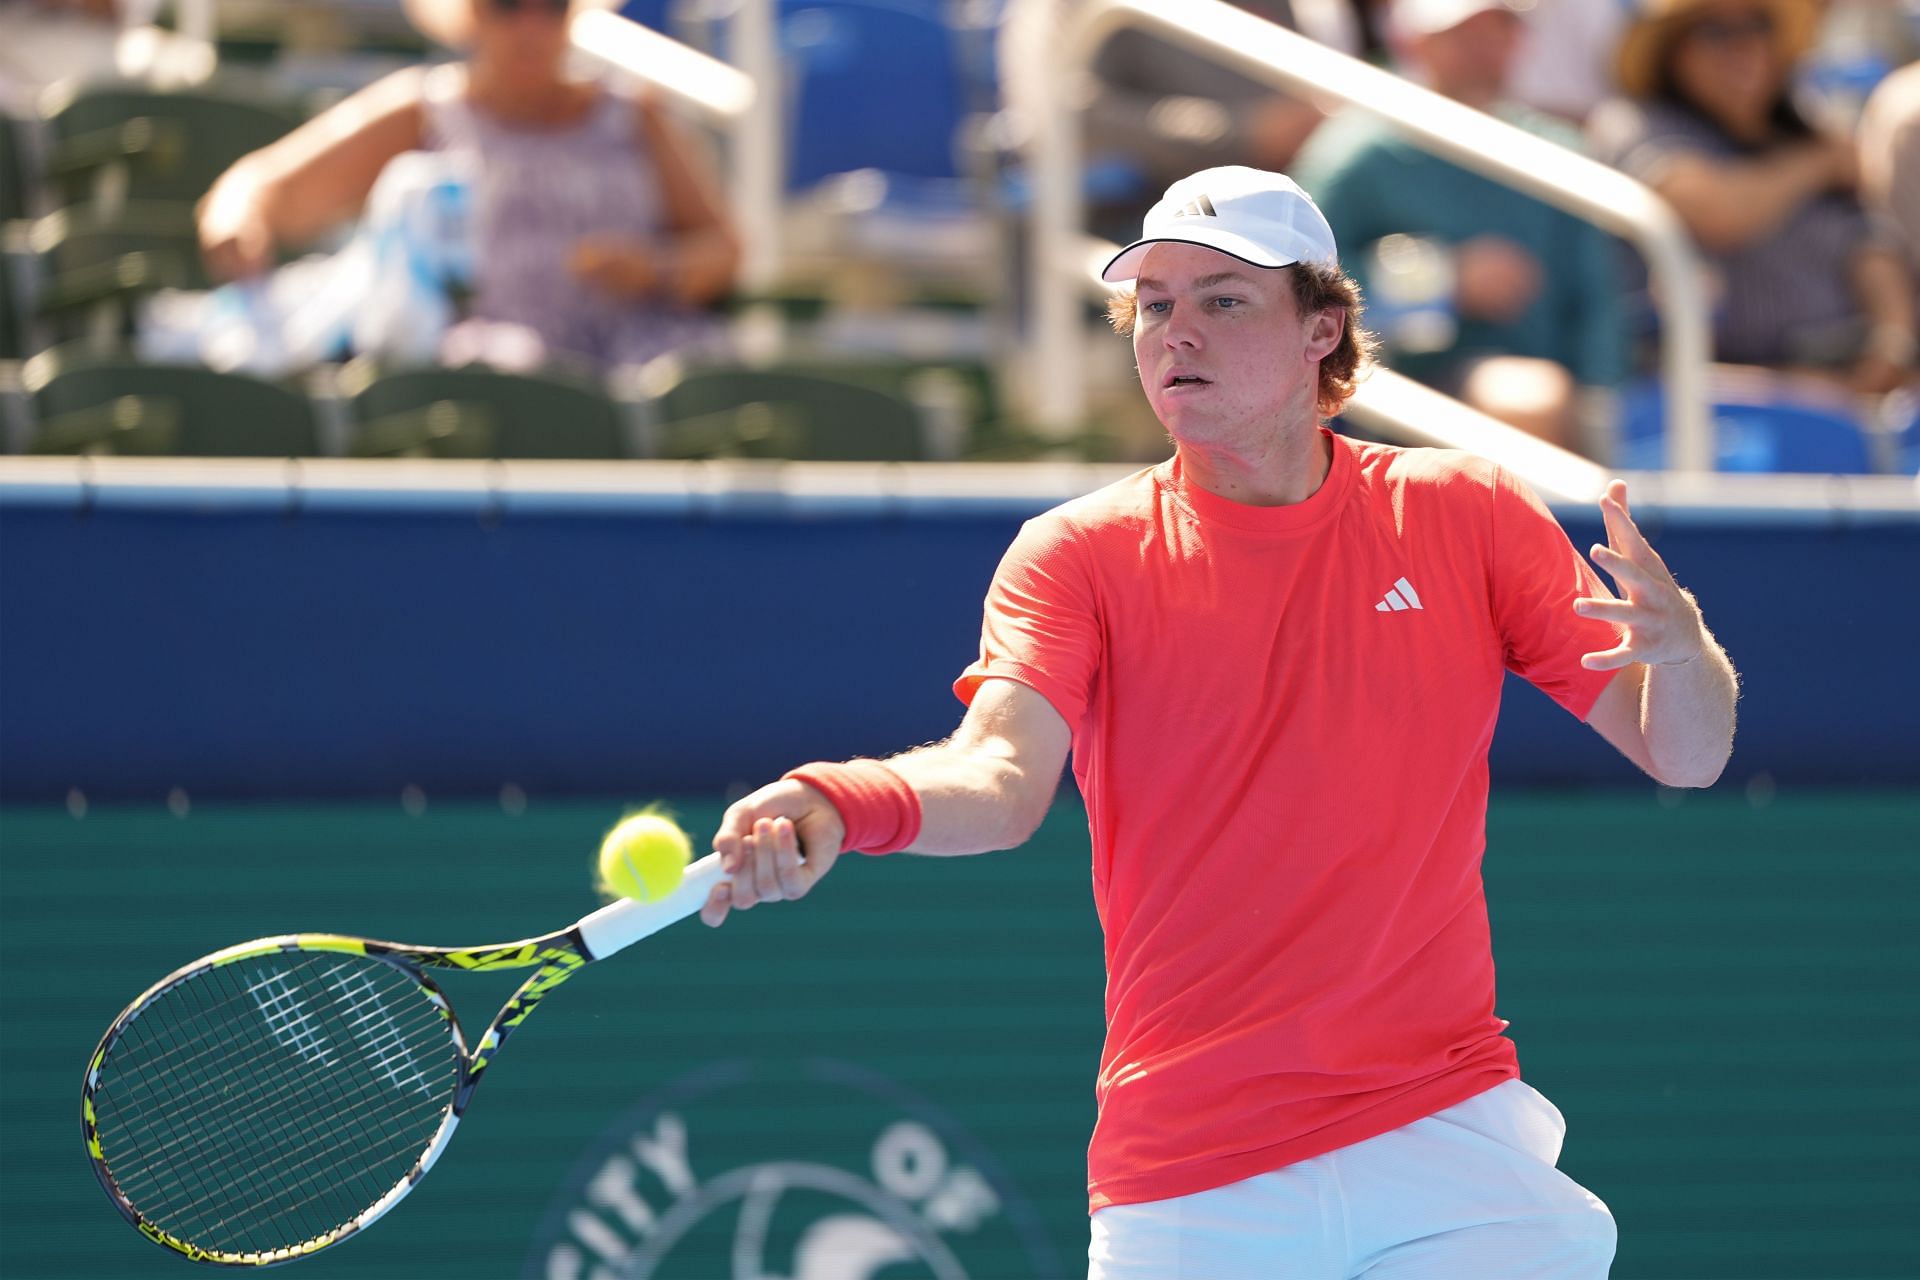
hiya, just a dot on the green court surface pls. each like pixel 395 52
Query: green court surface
pixel 1722 996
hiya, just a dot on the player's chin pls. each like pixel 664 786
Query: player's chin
pixel 1188 426
pixel 1170 412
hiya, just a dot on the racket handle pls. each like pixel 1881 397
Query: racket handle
pixel 621 924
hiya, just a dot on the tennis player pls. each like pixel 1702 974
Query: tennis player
pixel 1277 660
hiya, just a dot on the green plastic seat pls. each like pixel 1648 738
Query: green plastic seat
pixel 88 401
pixel 92 265
pixel 132 142
pixel 13 323
pixel 722 411
pixel 480 412
pixel 80 236
pixel 13 172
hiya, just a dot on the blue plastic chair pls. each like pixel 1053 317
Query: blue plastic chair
pixel 648 13
pixel 1767 432
pixel 873 85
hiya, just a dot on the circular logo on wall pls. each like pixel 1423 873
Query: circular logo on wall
pixel 821 1170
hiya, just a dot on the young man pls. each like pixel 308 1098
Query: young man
pixel 1277 660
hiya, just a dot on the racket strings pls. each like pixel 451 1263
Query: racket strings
pixel 276 1126
pixel 180 1057
pixel 271 1100
pixel 245 998
pixel 236 1141
pixel 270 1123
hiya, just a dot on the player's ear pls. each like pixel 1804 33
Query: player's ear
pixel 1324 331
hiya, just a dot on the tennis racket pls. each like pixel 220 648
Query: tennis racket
pixel 273 1099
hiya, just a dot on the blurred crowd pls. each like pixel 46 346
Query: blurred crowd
pixel 498 205
pixel 1782 132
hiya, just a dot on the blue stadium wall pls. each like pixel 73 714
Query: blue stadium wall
pixel 237 643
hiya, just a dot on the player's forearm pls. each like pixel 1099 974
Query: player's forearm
pixel 1687 715
pixel 972 799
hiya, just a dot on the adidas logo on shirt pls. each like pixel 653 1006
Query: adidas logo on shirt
pixel 1401 598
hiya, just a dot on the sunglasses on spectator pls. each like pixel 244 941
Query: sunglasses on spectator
pixel 1755 26
pixel 551 8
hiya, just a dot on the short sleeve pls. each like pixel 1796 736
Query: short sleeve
pixel 1041 624
pixel 1537 575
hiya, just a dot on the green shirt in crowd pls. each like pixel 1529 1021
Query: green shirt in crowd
pixel 1371 184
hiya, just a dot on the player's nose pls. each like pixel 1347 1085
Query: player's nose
pixel 1180 333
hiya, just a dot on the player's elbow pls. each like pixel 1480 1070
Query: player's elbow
pixel 1693 772
pixel 1026 799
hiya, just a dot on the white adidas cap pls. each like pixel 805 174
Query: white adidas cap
pixel 1259 217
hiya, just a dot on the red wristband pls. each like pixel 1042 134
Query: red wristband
pixel 880 811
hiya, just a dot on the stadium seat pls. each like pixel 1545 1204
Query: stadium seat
pixel 479 412
pixel 89 265
pixel 875 85
pixel 784 413
pixel 1761 423
pixel 13 172
pixel 88 401
pixel 114 142
pixel 648 13
pixel 13 325
pixel 80 237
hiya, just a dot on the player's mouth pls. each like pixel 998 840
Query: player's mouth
pixel 1179 380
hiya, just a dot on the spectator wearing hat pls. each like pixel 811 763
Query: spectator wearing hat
pixel 1804 280
pixel 1534 293
pixel 598 233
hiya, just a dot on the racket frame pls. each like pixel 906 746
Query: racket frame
pixel 554 957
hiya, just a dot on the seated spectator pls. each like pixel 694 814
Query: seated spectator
pixel 597 234
pixel 1520 304
pixel 1804 280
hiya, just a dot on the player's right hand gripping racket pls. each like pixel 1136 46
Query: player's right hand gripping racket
pixel 272 1099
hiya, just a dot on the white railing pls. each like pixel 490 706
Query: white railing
pixel 716 92
pixel 1264 51
pixel 768 488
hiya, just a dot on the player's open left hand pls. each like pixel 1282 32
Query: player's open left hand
pixel 1660 624
pixel 760 842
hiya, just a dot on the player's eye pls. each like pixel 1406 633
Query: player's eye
pixel 1227 304
pixel 1158 307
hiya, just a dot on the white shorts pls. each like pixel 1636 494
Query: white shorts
pixel 1469 1193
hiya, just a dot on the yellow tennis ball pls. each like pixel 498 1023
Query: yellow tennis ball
pixel 644 856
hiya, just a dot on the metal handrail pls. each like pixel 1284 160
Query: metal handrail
pixel 717 92
pixel 1263 51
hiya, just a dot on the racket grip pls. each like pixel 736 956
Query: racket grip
pixel 619 925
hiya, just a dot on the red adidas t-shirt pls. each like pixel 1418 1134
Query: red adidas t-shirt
pixel 1280 723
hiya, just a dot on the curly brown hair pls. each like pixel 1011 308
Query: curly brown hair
pixel 1315 286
